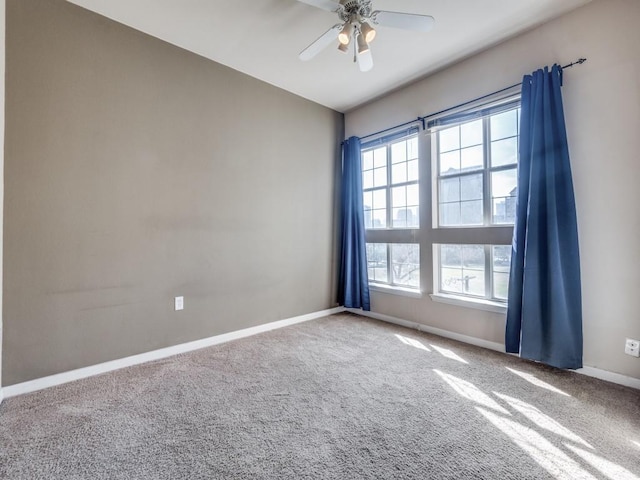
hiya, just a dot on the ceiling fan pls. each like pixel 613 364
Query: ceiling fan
pixel 355 28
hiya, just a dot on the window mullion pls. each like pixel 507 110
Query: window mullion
pixel 488 262
pixel 389 267
pixel 389 209
pixel 486 176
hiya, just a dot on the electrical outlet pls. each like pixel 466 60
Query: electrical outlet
pixel 632 347
pixel 179 303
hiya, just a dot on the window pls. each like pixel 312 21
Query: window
pixel 394 264
pixel 474 168
pixel 390 184
pixel 480 271
pixel 391 194
pixel 476 165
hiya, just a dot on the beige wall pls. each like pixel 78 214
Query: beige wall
pixel 602 108
pixel 136 172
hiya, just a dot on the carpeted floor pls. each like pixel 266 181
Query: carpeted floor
pixel 337 398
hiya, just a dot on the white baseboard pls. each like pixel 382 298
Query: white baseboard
pixel 436 331
pixel 589 371
pixel 610 377
pixel 65 377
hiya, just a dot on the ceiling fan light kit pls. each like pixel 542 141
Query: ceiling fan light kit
pixel 363 46
pixel 356 17
pixel 344 37
pixel 368 31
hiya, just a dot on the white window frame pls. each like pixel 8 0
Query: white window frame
pixel 389 185
pixel 487 234
pixel 391 235
pixel 486 171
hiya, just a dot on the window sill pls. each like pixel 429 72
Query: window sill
pixel 405 292
pixel 467 302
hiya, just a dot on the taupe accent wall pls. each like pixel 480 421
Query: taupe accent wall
pixel 136 172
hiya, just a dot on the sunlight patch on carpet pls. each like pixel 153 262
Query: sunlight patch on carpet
pixel 469 391
pixel 542 420
pixel 549 457
pixel 611 470
pixel 449 354
pixel 412 342
pixel 537 382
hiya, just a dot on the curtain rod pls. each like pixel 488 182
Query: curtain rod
pixel 580 61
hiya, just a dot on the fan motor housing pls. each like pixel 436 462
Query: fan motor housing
pixel 355 8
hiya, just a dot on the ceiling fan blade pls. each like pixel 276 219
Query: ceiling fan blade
pixel 321 43
pixel 365 61
pixel 408 21
pixel 327 5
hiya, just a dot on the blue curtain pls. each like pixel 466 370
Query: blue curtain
pixel 353 283
pixel 544 316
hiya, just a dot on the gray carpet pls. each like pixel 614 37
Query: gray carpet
pixel 338 398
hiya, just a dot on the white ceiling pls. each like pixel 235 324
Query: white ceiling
pixel 262 38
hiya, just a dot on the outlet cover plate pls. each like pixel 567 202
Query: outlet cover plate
pixel 632 347
pixel 179 303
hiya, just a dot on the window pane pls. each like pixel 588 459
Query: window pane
pixel 379 218
pixel 399 197
pixel 399 173
pixel 451 280
pixel 413 217
pixel 473 259
pixel 380 177
pixel 471 134
pixel 412 168
pixel 462 270
pixel 471 187
pixel 368 219
pixel 367 200
pixel 405 264
pixel 501 266
pixel 406 217
pixel 367 160
pixel 473 282
pixel 472 158
pixel 377 262
pixel 450 214
pixel 501 285
pixel 449 139
pixel 379 199
pixel 450 163
pixel 367 179
pixel 380 157
pixel 471 213
pixel 450 190
pixel 400 217
pixel 451 255
pixel 503 195
pixel 413 195
pixel 504 152
pixel 504 125
pixel 399 152
pixel 412 148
